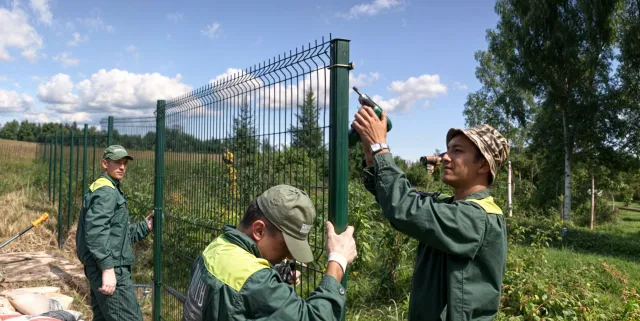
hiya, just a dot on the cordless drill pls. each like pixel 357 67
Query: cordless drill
pixel 366 101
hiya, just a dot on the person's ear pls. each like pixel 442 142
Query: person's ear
pixel 485 168
pixel 258 229
pixel 104 164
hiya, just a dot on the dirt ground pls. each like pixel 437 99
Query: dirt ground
pixel 40 261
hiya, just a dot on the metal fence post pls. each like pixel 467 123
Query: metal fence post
pixel 158 206
pixel 50 164
pixel 110 132
pixel 60 192
pixel 338 146
pixel 55 167
pixel 70 193
pixel 84 159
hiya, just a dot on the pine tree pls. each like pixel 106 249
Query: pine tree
pixel 307 135
pixel 244 138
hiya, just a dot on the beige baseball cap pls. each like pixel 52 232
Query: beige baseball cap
pixel 290 210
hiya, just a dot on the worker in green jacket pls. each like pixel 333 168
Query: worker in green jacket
pixel 461 258
pixel 104 241
pixel 234 278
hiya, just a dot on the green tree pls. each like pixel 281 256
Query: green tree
pixel 562 50
pixel 26 133
pixel 10 130
pixel 306 135
pixel 244 140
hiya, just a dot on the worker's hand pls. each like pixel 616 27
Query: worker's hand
pixel 370 128
pixel 149 221
pixel 341 243
pixel 108 282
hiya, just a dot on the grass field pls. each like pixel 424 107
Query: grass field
pixel 596 279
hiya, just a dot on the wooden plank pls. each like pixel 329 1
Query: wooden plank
pixel 37 266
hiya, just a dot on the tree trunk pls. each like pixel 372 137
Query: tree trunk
pixel 567 169
pixel 593 200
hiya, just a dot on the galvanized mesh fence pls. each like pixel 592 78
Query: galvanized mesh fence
pixel 204 156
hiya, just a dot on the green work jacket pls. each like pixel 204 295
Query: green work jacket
pixel 461 256
pixel 231 281
pixel 104 237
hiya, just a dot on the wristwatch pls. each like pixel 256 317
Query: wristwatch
pixel 375 148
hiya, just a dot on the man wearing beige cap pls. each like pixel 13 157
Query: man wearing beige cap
pixel 462 249
pixel 233 278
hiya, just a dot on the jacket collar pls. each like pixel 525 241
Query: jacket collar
pixel 231 234
pixel 479 195
pixel 111 179
pixel 475 196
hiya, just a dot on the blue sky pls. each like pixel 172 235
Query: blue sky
pixel 81 60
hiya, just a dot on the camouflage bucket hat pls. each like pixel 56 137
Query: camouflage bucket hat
pixel 493 146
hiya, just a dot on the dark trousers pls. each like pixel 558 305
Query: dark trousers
pixel 122 305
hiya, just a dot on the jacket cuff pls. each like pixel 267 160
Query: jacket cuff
pixel 382 161
pixel 145 228
pixel 106 263
pixel 331 284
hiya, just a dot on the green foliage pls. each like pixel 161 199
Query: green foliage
pixel 305 133
pixel 418 175
pixel 10 130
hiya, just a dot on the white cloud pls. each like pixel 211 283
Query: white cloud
pixel 12 101
pixel 16 32
pixel 17 85
pixel 412 91
pixel 39 117
pixel 370 9
pixel 77 38
pixel 459 86
pixel 212 31
pixel 58 90
pixel 79 117
pixel 3 78
pixel 269 92
pixel 66 60
pixel 41 7
pixel 134 51
pixel 121 91
pixel 175 16
pixel 96 24
pixel 363 79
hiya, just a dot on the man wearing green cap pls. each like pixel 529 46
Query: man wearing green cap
pixel 105 238
pixel 233 278
pixel 461 258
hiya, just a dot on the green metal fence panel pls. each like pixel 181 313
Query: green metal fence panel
pixel 227 142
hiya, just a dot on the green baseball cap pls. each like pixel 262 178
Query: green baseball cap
pixel 116 152
pixel 291 211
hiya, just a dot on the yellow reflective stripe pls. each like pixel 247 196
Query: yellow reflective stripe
pixel 100 182
pixel 488 205
pixel 231 264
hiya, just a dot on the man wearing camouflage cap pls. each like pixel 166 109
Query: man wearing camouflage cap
pixel 233 278
pixel 461 258
pixel 105 238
